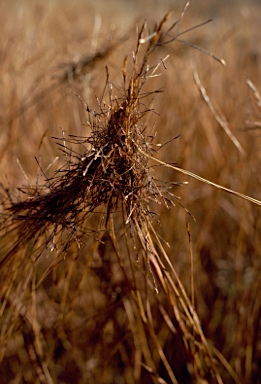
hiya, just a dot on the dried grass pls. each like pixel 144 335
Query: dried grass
pixel 89 290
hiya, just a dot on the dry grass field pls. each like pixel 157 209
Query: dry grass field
pixel 130 216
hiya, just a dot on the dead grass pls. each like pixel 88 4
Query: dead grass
pixel 102 278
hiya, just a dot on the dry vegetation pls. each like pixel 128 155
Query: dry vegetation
pixel 130 247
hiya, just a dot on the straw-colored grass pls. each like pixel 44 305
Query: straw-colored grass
pixel 130 246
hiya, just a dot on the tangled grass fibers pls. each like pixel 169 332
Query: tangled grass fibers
pixel 103 196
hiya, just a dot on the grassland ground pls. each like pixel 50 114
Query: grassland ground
pixel 103 279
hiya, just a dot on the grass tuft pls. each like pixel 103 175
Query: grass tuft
pixel 90 289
